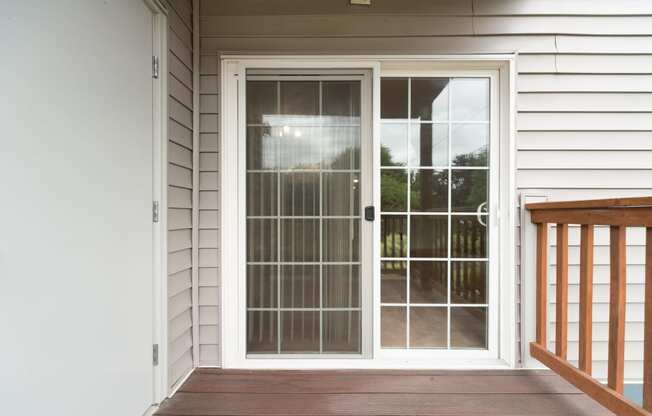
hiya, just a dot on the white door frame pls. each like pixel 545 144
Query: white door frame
pixel 159 194
pixel 232 69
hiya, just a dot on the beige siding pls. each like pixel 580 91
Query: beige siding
pixel 208 205
pixel 584 93
pixel 180 169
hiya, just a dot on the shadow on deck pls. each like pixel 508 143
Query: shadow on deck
pixel 378 392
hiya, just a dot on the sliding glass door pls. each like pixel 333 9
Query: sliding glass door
pixel 434 182
pixel 307 142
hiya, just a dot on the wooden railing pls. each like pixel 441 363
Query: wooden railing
pixel 618 214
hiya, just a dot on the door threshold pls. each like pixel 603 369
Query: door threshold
pixel 371 364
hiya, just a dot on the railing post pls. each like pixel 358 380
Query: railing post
pixel 647 349
pixel 542 283
pixel 617 309
pixel 561 341
pixel 586 298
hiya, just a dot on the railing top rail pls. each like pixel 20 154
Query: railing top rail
pixel 645 201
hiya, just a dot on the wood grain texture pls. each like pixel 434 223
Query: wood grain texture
pixel 586 298
pixel 542 283
pixel 647 349
pixel 593 203
pixel 617 310
pixel 639 216
pixel 561 302
pixel 604 395
pixel 382 392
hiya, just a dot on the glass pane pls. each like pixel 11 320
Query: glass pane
pixel 341 194
pixel 470 99
pixel 469 327
pixel 341 286
pixel 469 144
pixel 393 144
pixel 300 286
pixel 428 190
pixel 393 98
pixel 342 331
pixel 428 144
pixel 341 147
pixel 341 102
pixel 300 331
pixel 341 240
pixel 261 286
pixel 262 328
pixel 262 236
pixel 469 190
pixel 393 190
pixel 393 236
pixel 393 288
pixel 299 194
pixel 261 194
pixel 307 140
pixel 261 101
pixel 429 99
pixel 428 236
pixel 428 327
pixel 261 148
pixel 299 98
pixel 393 327
pixel 298 146
pixel 468 236
pixel 428 282
pixel 300 240
pixel 469 282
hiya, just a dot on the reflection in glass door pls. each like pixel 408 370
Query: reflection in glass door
pixel 303 201
pixel 434 212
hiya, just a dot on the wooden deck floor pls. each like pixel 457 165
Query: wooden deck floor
pixel 378 392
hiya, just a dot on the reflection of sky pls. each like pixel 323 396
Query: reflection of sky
pixel 470 99
pixel 468 138
pixel 297 141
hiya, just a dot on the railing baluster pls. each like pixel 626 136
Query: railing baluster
pixel 586 298
pixel 617 309
pixel 647 349
pixel 618 214
pixel 561 339
pixel 542 283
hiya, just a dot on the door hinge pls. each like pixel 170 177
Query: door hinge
pixel 155 211
pixel 155 354
pixel 154 66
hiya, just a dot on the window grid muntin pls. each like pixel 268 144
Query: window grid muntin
pixel 449 168
pixel 321 263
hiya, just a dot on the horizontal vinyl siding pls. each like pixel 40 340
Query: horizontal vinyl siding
pixel 208 212
pixel 180 187
pixel 584 94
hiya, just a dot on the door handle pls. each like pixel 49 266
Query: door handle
pixel 478 213
pixel 369 213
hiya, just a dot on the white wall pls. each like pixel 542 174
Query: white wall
pixel 75 216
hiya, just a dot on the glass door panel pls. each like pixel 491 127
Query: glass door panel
pixel 303 191
pixel 434 180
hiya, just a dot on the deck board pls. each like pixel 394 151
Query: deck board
pixel 232 392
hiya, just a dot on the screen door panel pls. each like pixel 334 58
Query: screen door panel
pixel 303 193
pixel 434 192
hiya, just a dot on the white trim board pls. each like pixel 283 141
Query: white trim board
pixel 232 69
pixel 160 158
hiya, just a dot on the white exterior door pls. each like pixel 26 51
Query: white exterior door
pixel 76 247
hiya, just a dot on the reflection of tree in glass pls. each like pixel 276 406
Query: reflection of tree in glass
pixel 393 242
pixel 393 184
pixel 469 187
pixel 429 190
